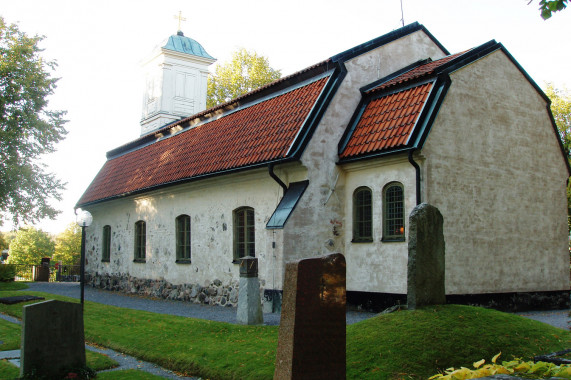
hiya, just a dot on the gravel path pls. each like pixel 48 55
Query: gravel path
pixel 183 309
pixel 557 318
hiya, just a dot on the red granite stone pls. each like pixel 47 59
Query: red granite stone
pixel 312 334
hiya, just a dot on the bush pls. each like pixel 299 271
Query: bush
pixel 7 272
pixel 515 367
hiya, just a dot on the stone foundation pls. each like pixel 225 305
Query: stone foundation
pixel 211 293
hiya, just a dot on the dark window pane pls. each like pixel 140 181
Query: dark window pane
pixel 244 233
pixel 394 211
pixel 362 214
pixel 183 237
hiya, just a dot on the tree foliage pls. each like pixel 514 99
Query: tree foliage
pixel 561 110
pixel 29 246
pixel 27 128
pixel 68 246
pixel 548 7
pixel 3 242
pixel 246 71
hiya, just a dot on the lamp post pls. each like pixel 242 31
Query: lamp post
pixel 83 219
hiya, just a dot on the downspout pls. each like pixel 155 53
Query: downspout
pixel 276 178
pixel 417 169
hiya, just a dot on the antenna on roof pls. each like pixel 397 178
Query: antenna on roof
pixel 401 13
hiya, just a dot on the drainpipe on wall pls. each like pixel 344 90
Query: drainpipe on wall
pixel 276 178
pixel 417 169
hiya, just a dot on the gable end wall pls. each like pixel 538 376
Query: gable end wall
pixel 494 169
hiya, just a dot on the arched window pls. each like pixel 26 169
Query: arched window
pixel 183 239
pixel 393 212
pixel 362 215
pixel 140 241
pixel 244 233
pixel 106 248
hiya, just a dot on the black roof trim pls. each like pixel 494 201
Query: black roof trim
pixel 308 128
pixel 430 111
pixel 385 39
pixel 185 181
pixel 525 74
pixel 406 69
pixel 469 57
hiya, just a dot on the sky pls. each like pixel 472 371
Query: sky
pixel 99 46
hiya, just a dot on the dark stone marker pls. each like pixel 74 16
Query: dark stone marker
pixel 311 343
pixel 425 257
pixel 52 338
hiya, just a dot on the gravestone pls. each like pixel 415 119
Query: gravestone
pixel 249 302
pixel 52 338
pixel 426 258
pixel 312 339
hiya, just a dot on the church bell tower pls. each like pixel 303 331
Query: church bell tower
pixel 176 74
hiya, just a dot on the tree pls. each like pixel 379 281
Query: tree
pixel 29 246
pixel 68 245
pixel 548 7
pixel 245 72
pixel 561 110
pixel 27 128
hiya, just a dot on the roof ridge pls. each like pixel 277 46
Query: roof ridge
pixel 417 72
pixel 295 78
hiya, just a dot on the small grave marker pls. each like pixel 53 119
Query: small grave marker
pixel 249 301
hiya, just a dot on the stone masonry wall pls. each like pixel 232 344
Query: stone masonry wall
pixel 210 293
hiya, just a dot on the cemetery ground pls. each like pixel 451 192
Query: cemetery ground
pixel 405 344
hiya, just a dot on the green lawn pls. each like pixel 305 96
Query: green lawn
pixel 13 285
pixel 406 344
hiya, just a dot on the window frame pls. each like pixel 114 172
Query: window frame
pixel 106 244
pixel 240 217
pixel 388 220
pixel 360 222
pixel 140 242
pixel 183 233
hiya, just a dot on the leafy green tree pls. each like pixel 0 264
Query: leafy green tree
pixel 561 110
pixel 548 7
pixel 68 245
pixel 3 243
pixel 27 128
pixel 29 246
pixel 246 71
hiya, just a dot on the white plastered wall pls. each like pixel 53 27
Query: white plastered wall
pixel 319 223
pixel 210 204
pixel 379 267
pixel 494 169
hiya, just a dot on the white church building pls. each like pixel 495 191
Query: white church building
pixel 333 158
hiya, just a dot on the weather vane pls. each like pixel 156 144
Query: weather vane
pixel 180 19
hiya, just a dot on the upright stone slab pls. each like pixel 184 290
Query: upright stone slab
pixel 426 258
pixel 249 302
pixel 52 338
pixel 312 339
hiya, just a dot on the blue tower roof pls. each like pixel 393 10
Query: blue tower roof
pixel 182 44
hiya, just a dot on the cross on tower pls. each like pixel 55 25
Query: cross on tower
pixel 180 18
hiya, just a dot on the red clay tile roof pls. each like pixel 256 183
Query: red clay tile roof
pixel 253 135
pixel 387 122
pixel 416 73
